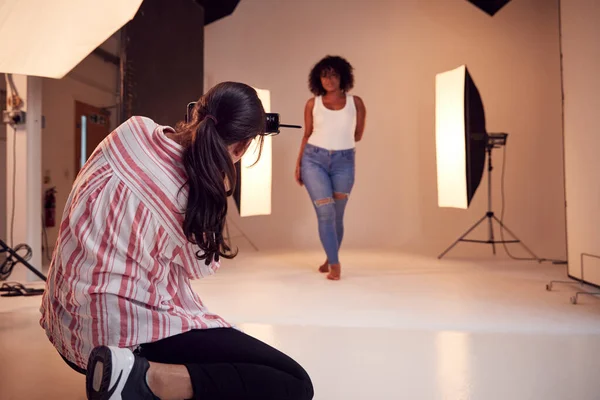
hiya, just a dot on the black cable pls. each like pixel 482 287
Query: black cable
pixel 502 219
pixel 562 117
pixel 9 263
pixel 562 89
pixel 7 266
pixel 503 209
pixel 11 84
pixel 45 234
pixel 14 188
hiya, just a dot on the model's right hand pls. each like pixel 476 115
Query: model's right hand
pixel 299 175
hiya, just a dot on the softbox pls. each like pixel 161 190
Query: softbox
pixel 460 138
pixel 49 38
pixel 252 192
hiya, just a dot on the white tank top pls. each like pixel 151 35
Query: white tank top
pixel 333 129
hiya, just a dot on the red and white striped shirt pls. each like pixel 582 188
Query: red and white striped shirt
pixel 121 269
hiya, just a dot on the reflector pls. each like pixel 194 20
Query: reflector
pixel 460 138
pixel 49 38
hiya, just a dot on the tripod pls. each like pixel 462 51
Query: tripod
pixel 243 235
pixel 490 216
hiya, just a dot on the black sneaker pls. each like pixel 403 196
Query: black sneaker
pixel 117 374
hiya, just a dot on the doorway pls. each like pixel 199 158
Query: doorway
pixel 92 125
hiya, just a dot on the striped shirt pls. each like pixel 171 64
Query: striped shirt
pixel 121 270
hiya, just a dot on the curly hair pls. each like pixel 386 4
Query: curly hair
pixel 331 63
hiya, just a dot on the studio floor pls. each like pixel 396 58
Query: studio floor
pixel 396 326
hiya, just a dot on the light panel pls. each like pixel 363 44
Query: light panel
pixel 49 38
pixel 450 138
pixel 461 138
pixel 256 177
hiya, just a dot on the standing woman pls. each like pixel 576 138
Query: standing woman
pixel 334 121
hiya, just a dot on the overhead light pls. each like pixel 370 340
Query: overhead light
pixel 49 38
pixel 490 7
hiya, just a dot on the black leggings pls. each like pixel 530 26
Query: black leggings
pixel 228 364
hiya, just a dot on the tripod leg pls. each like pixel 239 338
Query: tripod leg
pixel 462 237
pixel 516 238
pixel 251 244
pixel 244 235
pixel 491 236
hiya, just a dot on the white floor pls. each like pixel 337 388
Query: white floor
pixel 395 327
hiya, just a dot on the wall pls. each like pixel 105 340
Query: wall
pixel 397 48
pixel 581 63
pixel 94 82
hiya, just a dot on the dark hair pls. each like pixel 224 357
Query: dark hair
pixel 331 63
pixel 228 113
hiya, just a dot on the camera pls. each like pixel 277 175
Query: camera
pixel 272 124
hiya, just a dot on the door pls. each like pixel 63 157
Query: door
pixel 92 125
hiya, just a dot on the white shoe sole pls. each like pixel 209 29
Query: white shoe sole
pixel 107 372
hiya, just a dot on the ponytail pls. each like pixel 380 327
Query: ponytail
pixel 229 114
pixel 208 166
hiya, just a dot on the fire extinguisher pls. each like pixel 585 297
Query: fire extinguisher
pixel 50 208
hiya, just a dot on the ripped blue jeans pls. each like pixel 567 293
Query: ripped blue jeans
pixel 329 178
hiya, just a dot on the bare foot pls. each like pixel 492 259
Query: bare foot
pixel 336 271
pixel 324 268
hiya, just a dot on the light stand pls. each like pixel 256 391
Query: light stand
pixel 229 237
pixel 494 141
pixel 581 280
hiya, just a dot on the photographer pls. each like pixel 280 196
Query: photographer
pixel 145 216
